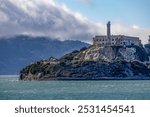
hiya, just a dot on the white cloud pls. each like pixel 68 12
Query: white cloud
pixel 46 17
pixel 133 30
pixel 135 26
pixel 3 17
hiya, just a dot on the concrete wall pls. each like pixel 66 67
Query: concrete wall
pixel 119 40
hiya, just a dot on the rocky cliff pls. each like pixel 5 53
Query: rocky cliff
pixel 110 62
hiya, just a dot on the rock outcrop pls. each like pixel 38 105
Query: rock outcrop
pixel 111 62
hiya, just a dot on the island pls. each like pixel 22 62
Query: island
pixel 110 57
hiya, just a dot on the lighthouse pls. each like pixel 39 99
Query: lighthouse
pixel 109 33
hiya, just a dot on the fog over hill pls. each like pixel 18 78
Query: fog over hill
pixel 56 20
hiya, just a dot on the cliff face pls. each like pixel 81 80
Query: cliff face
pixel 91 63
pixel 113 53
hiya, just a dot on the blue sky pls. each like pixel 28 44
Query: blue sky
pixel 133 12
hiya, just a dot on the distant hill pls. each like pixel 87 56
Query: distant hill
pixel 18 51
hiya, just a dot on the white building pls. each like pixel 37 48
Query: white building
pixel 119 40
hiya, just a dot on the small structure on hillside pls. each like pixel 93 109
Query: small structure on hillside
pixel 117 40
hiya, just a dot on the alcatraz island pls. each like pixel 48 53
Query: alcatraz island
pixel 109 57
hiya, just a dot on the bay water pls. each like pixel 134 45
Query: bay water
pixel 13 89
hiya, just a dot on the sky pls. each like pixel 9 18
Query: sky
pixel 74 19
pixel 128 11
